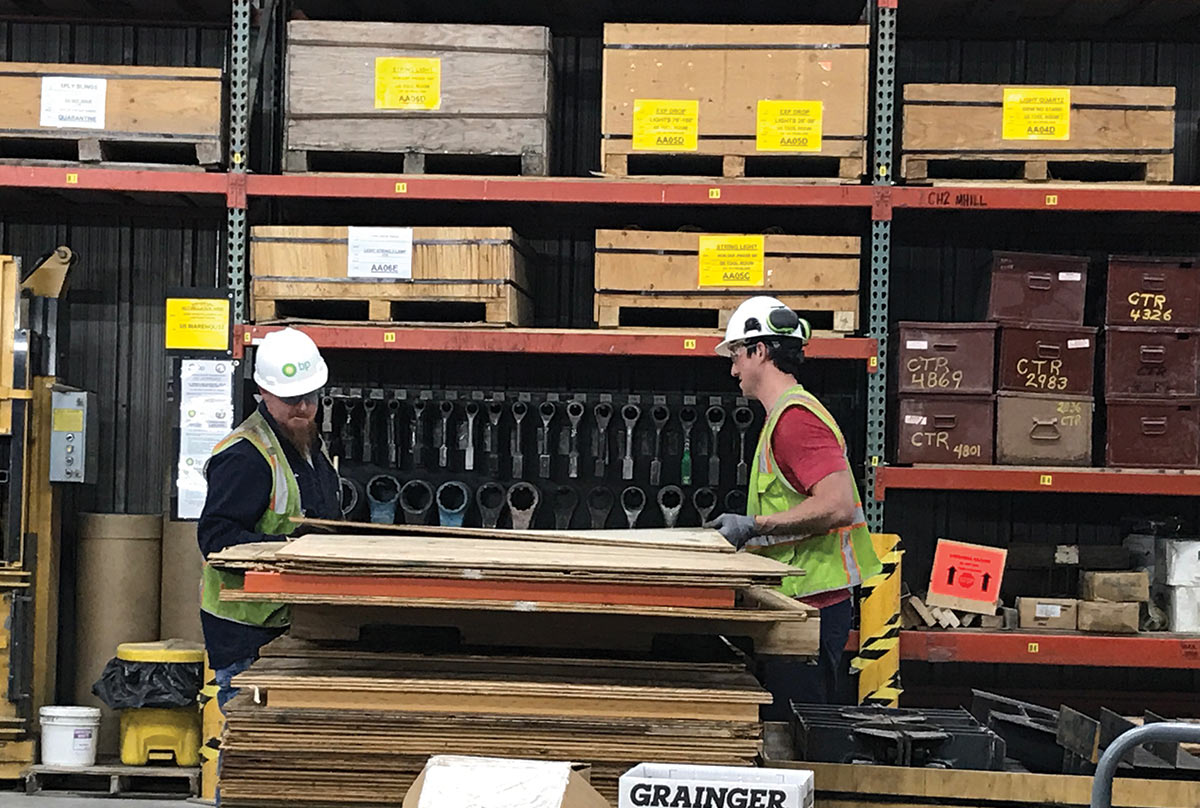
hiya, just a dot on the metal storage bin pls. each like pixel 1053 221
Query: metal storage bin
pixel 946 429
pixel 1153 291
pixel 1152 362
pixel 1035 287
pixel 1153 434
pixel 1043 430
pixel 957 358
pixel 1047 359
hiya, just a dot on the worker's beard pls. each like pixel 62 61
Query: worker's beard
pixel 301 437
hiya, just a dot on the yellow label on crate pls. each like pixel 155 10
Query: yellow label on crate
pixel 731 260
pixel 666 125
pixel 65 420
pixel 789 126
pixel 1037 114
pixel 197 324
pixel 403 82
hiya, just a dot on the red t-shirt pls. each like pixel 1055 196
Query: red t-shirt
pixel 807 451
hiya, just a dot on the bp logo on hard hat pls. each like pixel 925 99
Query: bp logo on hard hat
pixel 291 369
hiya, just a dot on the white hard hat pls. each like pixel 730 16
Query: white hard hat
pixel 763 316
pixel 288 363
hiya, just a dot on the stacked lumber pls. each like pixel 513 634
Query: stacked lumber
pixel 324 724
pixel 916 613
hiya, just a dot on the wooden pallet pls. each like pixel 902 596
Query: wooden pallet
pixel 841 163
pixel 957 132
pixel 527 163
pixel 918 167
pixel 646 278
pixel 127 150
pixel 459 274
pixel 112 781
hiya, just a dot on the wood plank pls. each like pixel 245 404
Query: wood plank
pixel 286 584
pixel 678 538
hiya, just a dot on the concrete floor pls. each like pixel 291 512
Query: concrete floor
pixel 9 799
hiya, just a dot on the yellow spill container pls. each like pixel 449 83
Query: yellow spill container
pixel 161 735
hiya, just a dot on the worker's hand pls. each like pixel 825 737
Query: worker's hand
pixel 308 529
pixel 736 529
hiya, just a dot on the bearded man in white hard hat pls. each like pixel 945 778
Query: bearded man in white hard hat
pixel 271 468
pixel 803 506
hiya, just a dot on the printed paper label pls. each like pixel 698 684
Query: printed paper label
pixel 380 252
pixel 731 260
pixel 1079 343
pixel 666 125
pixel 402 82
pixel 1037 114
pixel 73 103
pixel 1070 276
pixel 916 420
pixel 789 126
pixel 197 324
pixel 1047 610
pixel 917 345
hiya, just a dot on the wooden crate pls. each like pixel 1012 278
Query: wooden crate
pixel 149 114
pixel 729 69
pixel 955 132
pixel 301 271
pixel 818 276
pixel 495 98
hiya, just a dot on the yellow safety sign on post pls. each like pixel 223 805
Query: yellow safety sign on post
pixel 878 660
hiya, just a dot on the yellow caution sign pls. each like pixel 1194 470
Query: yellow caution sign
pixel 666 125
pixel 731 260
pixel 878 660
pixel 1032 113
pixel 197 324
pixel 789 126
pixel 403 82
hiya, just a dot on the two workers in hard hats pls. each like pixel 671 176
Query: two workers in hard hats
pixel 803 507
pixel 271 468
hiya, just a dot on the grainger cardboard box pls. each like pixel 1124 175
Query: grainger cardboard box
pixel 667 785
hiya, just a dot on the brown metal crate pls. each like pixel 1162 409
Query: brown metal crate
pixel 1153 434
pixel 1037 288
pixel 1049 359
pixel 1153 291
pixel 946 429
pixel 1037 429
pixel 1152 362
pixel 956 358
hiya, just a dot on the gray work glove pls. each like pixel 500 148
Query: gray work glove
pixel 736 529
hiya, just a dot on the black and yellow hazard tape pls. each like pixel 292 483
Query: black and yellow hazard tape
pixel 878 659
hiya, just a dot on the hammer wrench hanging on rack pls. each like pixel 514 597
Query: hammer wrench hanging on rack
pixel 368 444
pixel 660 415
pixel 519 409
pixel 630 414
pixel 604 413
pixel 416 448
pixel 687 419
pixel 327 421
pixel 716 420
pixel 446 408
pixel 393 447
pixel 472 409
pixel 574 414
pixel 348 428
pixel 491 438
pixel 742 418
pixel 546 410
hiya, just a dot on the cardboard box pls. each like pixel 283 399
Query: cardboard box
pixel 1183 606
pixel 1181 563
pixel 1047 612
pixel 452 781
pixel 1115 587
pixel 1108 618
pixel 663 785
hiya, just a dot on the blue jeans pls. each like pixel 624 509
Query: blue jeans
pixel 224 677
pixel 795 679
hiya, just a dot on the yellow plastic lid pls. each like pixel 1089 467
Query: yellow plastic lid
pixel 161 651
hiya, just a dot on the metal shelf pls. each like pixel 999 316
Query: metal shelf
pixel 599 191
pixel 71 178
pixel 1050 197
pixel 1169 482
pixel 1151 650
pixel 586 342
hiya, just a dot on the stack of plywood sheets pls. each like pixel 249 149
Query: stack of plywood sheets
pixel 333 725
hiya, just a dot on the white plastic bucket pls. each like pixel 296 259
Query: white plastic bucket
pixel 69 735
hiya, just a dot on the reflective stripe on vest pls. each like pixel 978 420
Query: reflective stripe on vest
pixel 275 521
pixel 835 560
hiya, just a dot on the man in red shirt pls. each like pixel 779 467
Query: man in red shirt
pixel 803 506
